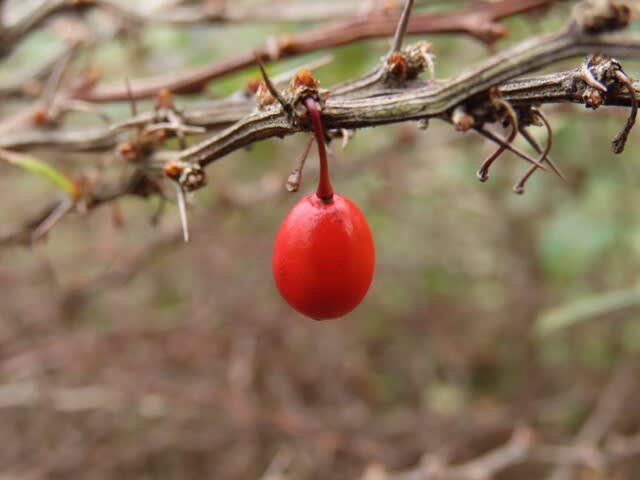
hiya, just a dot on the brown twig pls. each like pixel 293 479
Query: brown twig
pixel 620 141
pixel 519 186
pixel 293 182
pixel 270 86
pixel 608 408
pixel 506 144
pixel 401 29
pixel 477 21
pixel 512 118
pixel 378 104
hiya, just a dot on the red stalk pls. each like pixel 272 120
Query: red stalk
pixel 325 190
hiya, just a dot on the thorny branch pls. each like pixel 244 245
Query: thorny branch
pixel 421 101
pixel 561 87
pixel 477 21
pixel 392 93
pixel 211 12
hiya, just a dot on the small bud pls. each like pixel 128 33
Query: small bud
pixel 397 65
pixel 592 98
pixel 462 121
pixel 128 151
pixel 304 78
pixel 264 96
pixel 252 86
pixel 39 117
pixel 164 99
pixel 293 182
pixel 173 169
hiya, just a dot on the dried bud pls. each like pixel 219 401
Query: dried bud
pixel 164 99
pixel 264 96
pixel 293 182
pixel 462 121
pixel 304 78
pixel 417 58
pixel 39 117
pixel 173 169
pixel 397 65
pixel 252 86
pixel 592 98
pixel 128 151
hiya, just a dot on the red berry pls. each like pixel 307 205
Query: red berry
pixel 323 257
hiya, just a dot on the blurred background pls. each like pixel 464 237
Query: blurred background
pixel 127 353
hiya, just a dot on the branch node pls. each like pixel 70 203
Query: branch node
pixel 286 106
pixel 189 176
pixel 409 63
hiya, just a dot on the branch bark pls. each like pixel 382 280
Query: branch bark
pixel 417 101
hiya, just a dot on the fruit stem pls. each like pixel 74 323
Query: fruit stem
pixel 325 190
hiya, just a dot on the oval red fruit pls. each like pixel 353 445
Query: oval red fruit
pixel 323 257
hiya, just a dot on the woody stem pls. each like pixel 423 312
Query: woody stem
pixel 325 190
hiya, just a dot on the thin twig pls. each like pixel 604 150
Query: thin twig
pixel 533 142
pixel 63 208
pixel 478 21
pixel 519 186
pixel 618 143
pixel 271 87
pixel 401 30
pixel 483 171
pixel 608 408
pixel 293 182
pixel 503 142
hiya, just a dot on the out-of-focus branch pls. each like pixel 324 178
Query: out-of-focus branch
pixel 479 21
pixel 30 81
pixel 205 12
pixel 606 412
pixel 523 448
pixel 133 184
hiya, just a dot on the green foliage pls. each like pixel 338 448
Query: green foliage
pixel 40 168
